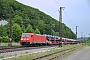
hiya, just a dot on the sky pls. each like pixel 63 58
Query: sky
pixel 76 12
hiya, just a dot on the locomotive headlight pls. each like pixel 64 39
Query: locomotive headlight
pixel 27 39
pixel 21 39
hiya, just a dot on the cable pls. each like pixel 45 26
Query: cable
pixel 64 12
pixel 68 17
pixel 57 2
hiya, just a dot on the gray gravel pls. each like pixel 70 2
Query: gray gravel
pixel 83 54
pixel 11 54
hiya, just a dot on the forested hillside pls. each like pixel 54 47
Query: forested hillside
pixel 29 19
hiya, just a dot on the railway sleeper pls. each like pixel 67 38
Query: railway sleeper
pixel 62 54
pixel 51 54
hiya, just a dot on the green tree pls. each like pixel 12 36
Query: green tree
pixel 17 19
pixel 23 28
pixel 29 29
pixel 87 41
pixel 5 39
pixel 1 39
pixel 16 32
pixel 3 31
pixel 37 31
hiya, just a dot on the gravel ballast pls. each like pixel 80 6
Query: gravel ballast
pixel 83 54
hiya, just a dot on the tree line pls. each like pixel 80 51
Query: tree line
pixel 28 19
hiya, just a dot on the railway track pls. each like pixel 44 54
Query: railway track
pixel 9 47
pixel 19 48
pixel 56 54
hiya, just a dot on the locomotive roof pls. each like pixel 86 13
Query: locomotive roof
pixel 39 35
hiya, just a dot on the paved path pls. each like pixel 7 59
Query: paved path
pixel 83 54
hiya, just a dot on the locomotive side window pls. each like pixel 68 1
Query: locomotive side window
pixel 31 35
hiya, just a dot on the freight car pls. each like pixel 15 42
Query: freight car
pixel 31 39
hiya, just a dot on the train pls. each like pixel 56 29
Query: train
pixel 31 39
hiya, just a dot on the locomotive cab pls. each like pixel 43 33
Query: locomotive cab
pixel 30 39
pixel 25 38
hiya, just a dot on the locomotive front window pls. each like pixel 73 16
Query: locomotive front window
pixel 25 35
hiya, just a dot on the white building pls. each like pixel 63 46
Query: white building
pixel 3 22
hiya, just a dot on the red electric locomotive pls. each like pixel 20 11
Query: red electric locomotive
pixel 32 39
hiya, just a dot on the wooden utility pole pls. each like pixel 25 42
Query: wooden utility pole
pixel 60 26
pixel 10 12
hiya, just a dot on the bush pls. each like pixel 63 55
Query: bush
pixel 4 39
pixel 0 39
pixel 87 42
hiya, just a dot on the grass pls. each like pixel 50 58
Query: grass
pixel 1 56
pixel 26 52
pixel 27 56
pixel 13 44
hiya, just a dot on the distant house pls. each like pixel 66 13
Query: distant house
pixel 3 22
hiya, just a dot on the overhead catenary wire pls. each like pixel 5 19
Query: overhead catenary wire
pixel 69 18
pixel 64 12
pixel 57 3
